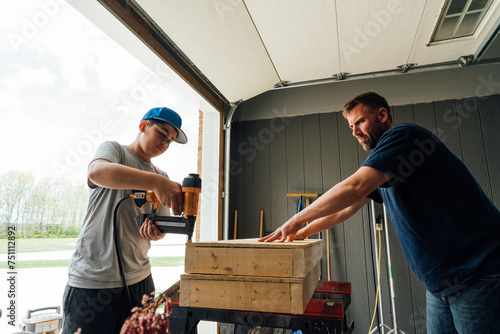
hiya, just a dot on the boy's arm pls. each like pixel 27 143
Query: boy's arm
pixel 115 176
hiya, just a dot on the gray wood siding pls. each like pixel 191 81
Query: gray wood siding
pixel 310 154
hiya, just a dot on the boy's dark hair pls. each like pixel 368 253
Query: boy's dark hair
pixel 370 99
pixel 155 121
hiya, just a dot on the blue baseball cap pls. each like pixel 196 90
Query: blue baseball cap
pixel 169 116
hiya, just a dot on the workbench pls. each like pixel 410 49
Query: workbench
pixel 325 314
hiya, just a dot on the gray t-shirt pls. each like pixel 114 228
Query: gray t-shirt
pixel 94 264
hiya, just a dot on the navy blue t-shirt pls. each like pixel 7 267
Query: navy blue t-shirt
pixel 448 228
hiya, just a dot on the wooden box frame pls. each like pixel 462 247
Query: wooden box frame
pixel 247 293
pixel 247 257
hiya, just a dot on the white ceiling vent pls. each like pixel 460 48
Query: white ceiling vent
pixel 460 18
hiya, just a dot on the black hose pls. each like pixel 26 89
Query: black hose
pixel 119 252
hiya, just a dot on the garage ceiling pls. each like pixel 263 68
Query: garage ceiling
pixel 243 48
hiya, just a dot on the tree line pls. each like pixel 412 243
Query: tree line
pixel 49 208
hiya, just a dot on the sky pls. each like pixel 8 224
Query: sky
pixel 65 87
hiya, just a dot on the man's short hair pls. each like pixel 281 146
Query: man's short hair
pixel 369 99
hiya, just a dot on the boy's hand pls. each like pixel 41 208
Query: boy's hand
pixel 169 193
pixel 150 231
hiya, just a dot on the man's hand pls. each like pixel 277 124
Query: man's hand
pixel 285 232
pixel 169 194
pixel 333 207
pixel 300 235
pixel 150 231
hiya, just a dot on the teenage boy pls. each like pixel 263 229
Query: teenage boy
pixel 95 299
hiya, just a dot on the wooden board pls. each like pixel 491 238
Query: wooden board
pixel 248 257
pixel 247 293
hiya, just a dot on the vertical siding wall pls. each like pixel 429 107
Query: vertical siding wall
pixel 310 154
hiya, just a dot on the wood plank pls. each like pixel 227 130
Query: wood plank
pixel 472 142
pixel 254 243
pixel 235 171
pixel 246 207
pixel 294 162
pixel 262 171
pixel 308 259
pixel 251 258
pixel 312 163
pixel 233 261
pixel 184 299
pixel 279 175
pixel 490 122
pixel 447 125
pixel 403 114
pixel 424 116
pixel 312 155
pixel 249 293
pixel 394 114
pixel 235 295
pixel 419 301
pixel 329 149
pixel 302 293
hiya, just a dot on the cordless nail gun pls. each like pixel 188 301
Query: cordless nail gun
pixel 191 189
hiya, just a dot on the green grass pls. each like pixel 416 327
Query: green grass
pixel 60 244
pixel 37 264
pixel 40 245
pixel 173 261
pixel 155 262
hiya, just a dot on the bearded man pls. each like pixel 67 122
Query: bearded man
pixel 448 227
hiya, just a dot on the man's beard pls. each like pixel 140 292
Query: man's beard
pixel 372 138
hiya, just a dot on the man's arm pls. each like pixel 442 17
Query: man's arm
pixel 115 176
pixel 349 193
pixel 330 221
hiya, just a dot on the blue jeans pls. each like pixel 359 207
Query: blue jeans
pixel 473 310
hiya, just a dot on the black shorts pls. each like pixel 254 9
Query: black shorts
pixel 101 311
